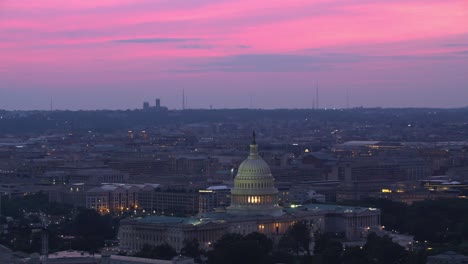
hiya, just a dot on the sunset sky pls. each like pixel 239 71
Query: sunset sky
pixel 233 54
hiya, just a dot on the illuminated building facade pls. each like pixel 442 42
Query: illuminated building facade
pixel 116 197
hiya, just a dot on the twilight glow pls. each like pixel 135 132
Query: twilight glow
pixel 115 54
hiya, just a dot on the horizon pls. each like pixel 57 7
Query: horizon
pixel 245 108
pixel 233 55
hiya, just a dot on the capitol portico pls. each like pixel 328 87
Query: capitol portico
pixel 254 208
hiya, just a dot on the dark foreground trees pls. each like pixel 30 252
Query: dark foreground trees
pixel 296 239
pixel 377 250
pixel 327 249
pixel 91 229
pixel 192 249
pixel 257 248
pixel 234 248
pixel 164 251
pixel 443 222
pixel 383 250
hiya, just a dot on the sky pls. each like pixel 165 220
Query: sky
pixel 115 54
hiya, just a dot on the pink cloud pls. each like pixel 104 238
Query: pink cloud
pixel 363 24
pixel 354 23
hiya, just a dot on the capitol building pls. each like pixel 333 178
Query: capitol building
pixel 254 208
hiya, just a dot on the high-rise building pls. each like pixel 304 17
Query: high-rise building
pixel 158 103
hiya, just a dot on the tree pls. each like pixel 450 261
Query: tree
pixel 333 252
pixel 383 250
pixel 296 239
pixel 92 229
pixel 418 256
pixel 355 255
pixel 234 248
pixel 192 249
pixel 163 251
pixel 21 239
pixel 327 249
pixel 227 239
pixel 320 243
pixel 263 241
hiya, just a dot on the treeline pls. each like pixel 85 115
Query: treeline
pixel 16 207
pixel 68 227
pixel 293 247
pixel 107 120
pixel 443 223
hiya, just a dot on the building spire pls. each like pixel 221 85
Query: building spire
pixel 253 148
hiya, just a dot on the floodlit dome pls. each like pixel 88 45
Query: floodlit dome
pixel 254 167
pixel 254 191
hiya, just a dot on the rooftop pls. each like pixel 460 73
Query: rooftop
pixel 357 143
pixel 331 208
pixel 161 219
pixel 221 217
pixel 218 187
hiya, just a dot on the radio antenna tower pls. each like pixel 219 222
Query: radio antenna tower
pixel 347 98
pixel 317 96
pixel 183 99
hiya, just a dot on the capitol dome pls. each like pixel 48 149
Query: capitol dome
pixel 254 167
pixel 254 191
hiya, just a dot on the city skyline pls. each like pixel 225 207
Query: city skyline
pixel 260 54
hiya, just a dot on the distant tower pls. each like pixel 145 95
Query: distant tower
pixel 183 99
pixel 347 98
pixel 158 103
pixel 317 96
pixel 145 105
